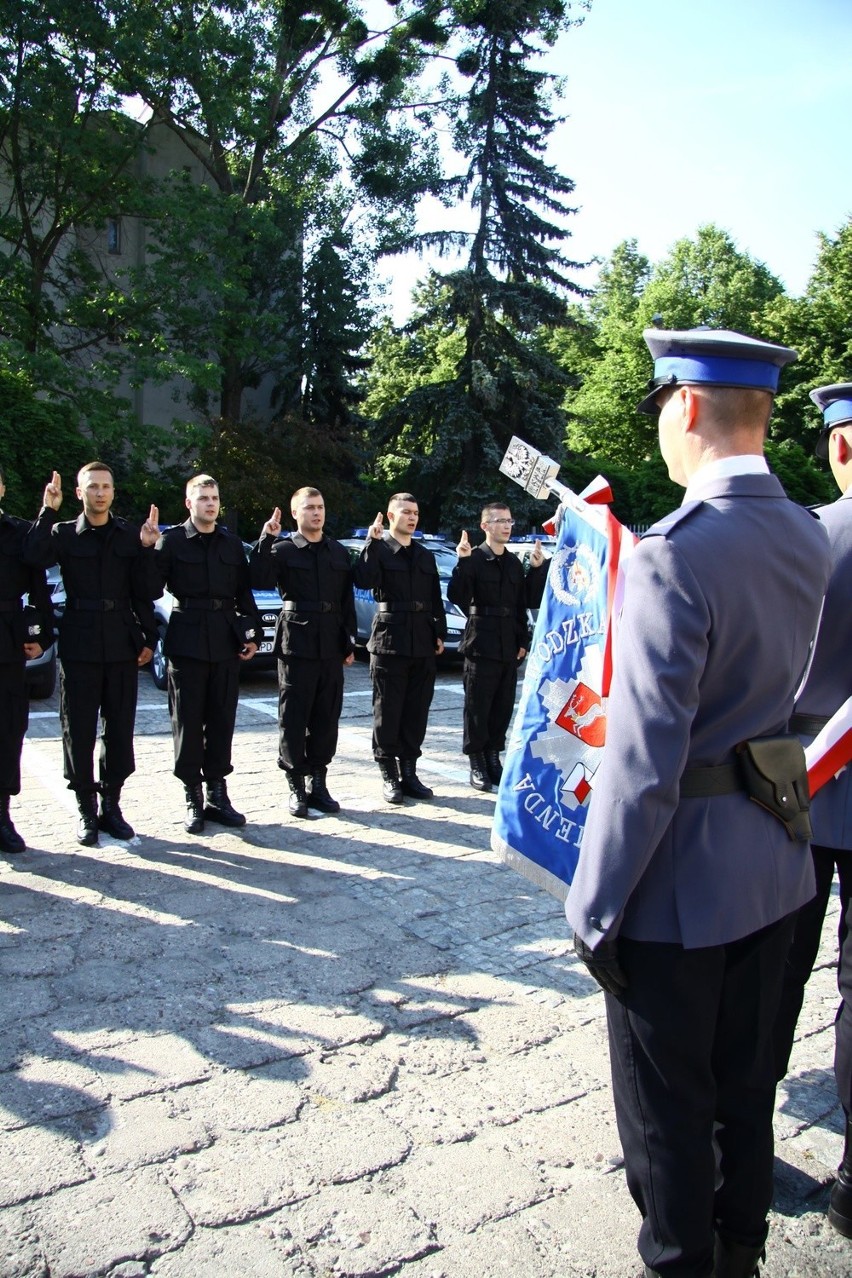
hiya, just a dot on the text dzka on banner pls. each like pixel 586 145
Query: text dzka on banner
pixel 560 726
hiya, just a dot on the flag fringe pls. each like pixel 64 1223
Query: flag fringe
pixel 536 874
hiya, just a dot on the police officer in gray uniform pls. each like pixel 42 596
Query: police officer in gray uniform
pixel 685 893
pixel 827 686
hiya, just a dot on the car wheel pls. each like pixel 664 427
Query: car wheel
pixel 43 683
pixel 159 665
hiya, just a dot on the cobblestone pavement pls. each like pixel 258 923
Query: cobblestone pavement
pixel 348 1046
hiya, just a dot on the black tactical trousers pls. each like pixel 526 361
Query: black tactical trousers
pixel 402 695
pixel 489 699
pixel 88 689
pixel 310 699
pixel 693 1078
pixel 800 961
pixel 14 716
pixel 203 698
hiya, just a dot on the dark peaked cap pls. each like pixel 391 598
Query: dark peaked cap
pixel 712 357
pixel 835 404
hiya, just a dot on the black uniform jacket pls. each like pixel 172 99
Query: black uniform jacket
pixel 406 586
pixel 214 613
pixel 495 594
pixel 16 579
pixel 315 581
pixel 110 585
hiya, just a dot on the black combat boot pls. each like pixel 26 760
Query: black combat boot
pixel 479 777
pixel 219 807
pixel 493 766
pixel 318 795
pixel 111 820
pixel 736 1260
pixel 298 801
pixel 840 1202
pixel 391 789
pixel 410 783
pixel 10 840
pixel 193 822
pixel 87 826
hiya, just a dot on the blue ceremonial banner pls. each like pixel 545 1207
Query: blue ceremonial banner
pixel 559 730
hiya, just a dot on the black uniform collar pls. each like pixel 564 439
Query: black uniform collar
pixel 192 531
pixel 301 542
pixel 488 552
pixel 82 525
pixel 396 546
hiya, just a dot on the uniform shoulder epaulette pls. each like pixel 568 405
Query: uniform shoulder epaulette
pixel 664 526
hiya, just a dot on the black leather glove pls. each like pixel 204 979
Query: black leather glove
pixel 603 965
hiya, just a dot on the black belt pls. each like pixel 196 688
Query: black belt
pixel 10 605
pixel 810 725
pixel 308 605
pixel 703 783
pixel 98 605
pixel 489 612
pixel 405 605
pixel 206 605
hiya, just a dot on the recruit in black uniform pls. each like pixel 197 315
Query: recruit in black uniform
pixel 214 626
pixel 24 634
pixel 108 630
pixel 314 639
pixel 409 629
pixel 490 586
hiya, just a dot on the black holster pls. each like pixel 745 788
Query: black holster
pixel 776 778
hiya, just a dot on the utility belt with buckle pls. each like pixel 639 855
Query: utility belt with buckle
pixel 810 725
pixel 98 605
pixel 403 605
pixel 476 611
pixel 771 771
pixel 308 605
pixel 205 605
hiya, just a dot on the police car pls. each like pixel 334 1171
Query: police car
pixel 365 604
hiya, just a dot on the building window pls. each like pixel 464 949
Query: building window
pixel 113 234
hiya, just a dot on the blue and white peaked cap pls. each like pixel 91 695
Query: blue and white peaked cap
pixel 835 404
pixel 712 357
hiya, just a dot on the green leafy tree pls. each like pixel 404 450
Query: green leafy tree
pixel 273 101
pixel 454 430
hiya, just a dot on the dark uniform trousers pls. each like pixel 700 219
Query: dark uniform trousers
pixel 14 717
pixel 89 690
pixel 800 961
pixel 203 698
pixel 691 1039
pixel 489 699
pixel 402 694
pixel 310 701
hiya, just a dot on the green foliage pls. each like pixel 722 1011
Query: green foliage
pixel 487 373
pixel 805 479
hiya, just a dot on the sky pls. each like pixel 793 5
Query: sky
pixel 687 112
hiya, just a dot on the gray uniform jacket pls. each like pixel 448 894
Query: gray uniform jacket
pixel 721 605
pixel 829 680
